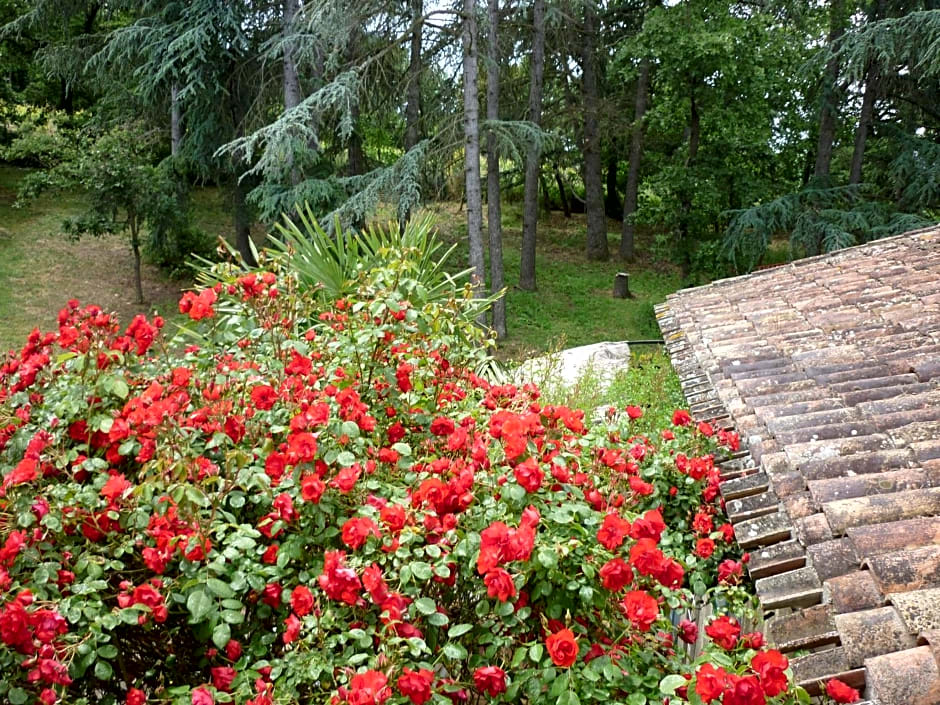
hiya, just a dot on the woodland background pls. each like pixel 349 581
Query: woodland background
pixel 553 138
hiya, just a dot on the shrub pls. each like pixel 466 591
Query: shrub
pixel 320 501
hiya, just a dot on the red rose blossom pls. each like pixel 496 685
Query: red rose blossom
pixel 490 680
pixel 563 648
pixel 840 692
pixel 416 685
pixel 724 631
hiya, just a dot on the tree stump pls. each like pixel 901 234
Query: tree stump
pixel 622 286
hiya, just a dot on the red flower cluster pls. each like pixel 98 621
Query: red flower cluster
pixel 147 595
pixel 767 680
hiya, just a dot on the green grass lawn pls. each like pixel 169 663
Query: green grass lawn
pixel 574 304
pixel 40 269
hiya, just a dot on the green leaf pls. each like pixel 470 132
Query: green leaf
pixel 455 651
pixel 17 696
pixel 569 697
pixel 107 651
pixel 438 619
pixel 219 588
pixel 421 570
pixel 425 605
pixel 345 459
pixel 199 605
pixel 458 630
pixel 668 685
pixel 221 635
pixel 103 671
pixel 535 652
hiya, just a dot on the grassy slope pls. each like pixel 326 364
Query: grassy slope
pixel 574 304
pixel 40 269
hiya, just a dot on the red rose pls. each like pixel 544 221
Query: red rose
pixel 416 685
pixel 528 475
pixel 233 650
pixel 302 447
pixel 222 677
pixel 616 574
pixel 613 531
pixel 442 426
pixel 710 682
pixel 311 488
pixel 688 631
pixel 270 555
pixel 704 548
pixel 490 680
pixel 724 631
pixel 744 691
pixel 680 417
pixel 499 584
pixel 368 688
pixel 634 412
pixel 753 640
pixel 357 530
pixel 840 692
pixel 271 595
pixel 730 572
pixel 292 629
pixel 649 526
pixel 563 648
pixel 201 696
pixel 642 609
pixel 301 600
pixel 135 696
pixel 770 666
pixel 263 396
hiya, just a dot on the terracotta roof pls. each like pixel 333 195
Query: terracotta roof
pixel 829 369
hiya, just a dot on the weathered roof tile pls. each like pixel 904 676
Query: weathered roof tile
pixel 853 591
pixel 905 570
pixel 803 629
pixel 797 588
pixel 829 368
pixel 910 677
pixel 920 609
pixel 884 538
pixel 871 633
pixel 878 509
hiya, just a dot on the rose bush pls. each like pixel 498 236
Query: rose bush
pixel 308 499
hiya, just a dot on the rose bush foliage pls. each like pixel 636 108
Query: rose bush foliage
pixel 316 502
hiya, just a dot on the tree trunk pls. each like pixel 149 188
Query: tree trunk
pixel 593 183
pixel 872 89
pixel 494 216
pixel 530 204
pixel 356 156
pixel 176 126
pixel 242 218
pixel 864 124
pixel 415 69
pixel 292 95
pixel 695 129
pixel 628 232
pixel 830 101
pixel 135 246
pixel 565 205
pixel 530 207
pixel 471 127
